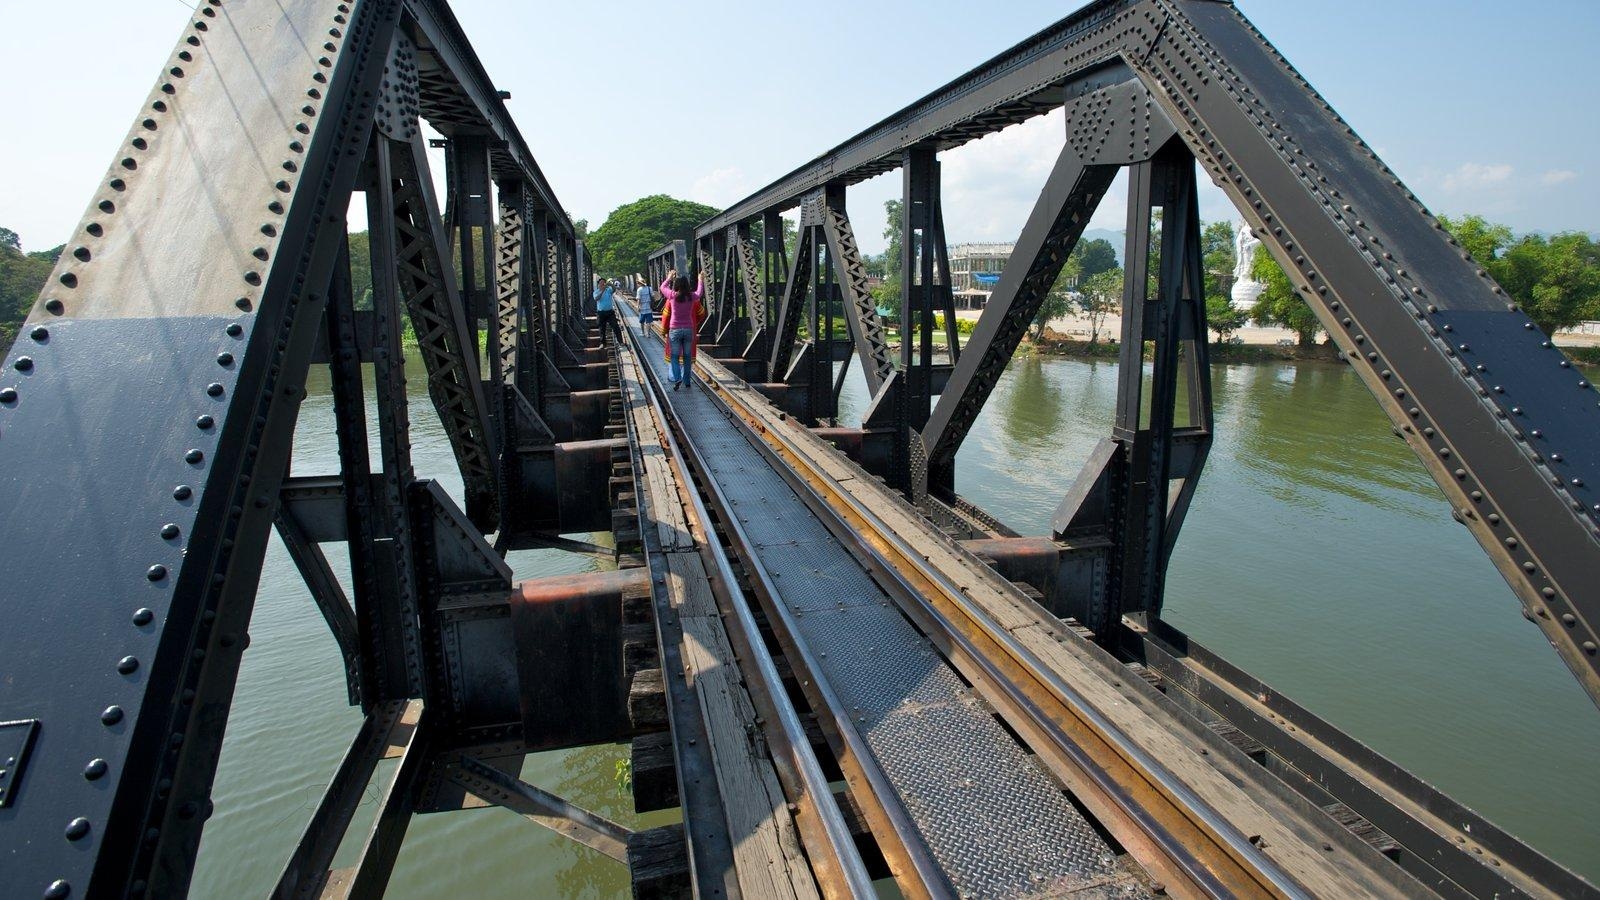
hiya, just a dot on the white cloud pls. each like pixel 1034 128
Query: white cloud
pixel 990 185
pixel 1557 176
pixel 721 187
pixel 1476 176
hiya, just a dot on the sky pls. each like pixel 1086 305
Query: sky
pixel 1481 107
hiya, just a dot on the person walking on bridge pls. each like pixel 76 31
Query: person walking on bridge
pixel 605 298
pixel 642 294
pixel 681 315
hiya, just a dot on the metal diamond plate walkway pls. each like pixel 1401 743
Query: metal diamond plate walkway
pixel 995 823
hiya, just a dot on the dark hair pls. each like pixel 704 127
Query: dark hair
pixel 680 285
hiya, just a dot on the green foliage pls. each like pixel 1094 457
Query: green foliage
pixel 21 277
pixel 1216 257
pixel 1058 300
pixel 1280 303
pixel 1098 296
pixel 1095 257
pixel 635 230
pixel 963 326
pixel 887 294
pixel 1479 237
pixel 1223 317
pixel 1556 279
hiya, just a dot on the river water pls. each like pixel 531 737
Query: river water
pixel 1317 555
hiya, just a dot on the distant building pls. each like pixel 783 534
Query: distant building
pixel 975 270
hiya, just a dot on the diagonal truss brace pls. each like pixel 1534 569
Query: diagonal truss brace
pixel 866 327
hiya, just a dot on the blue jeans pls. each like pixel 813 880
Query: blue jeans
pixel 680 340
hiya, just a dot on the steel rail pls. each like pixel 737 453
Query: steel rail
pixel 1236 849
pixel 841 845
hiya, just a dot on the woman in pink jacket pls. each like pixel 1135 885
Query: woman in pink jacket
pixel 681 315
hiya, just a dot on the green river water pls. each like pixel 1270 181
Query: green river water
pixel 1318 556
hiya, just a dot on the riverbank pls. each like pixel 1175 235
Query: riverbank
pixel 1054 343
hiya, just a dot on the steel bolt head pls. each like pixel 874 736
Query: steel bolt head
pixel 204 422
pixel 128 665
pixel 58 890
pixel 24 364
pixel 144 615
pixel 78 829
pixel 194 457
pixel 235 329
pixel 156 572
pixel 112 715
pixel 170 530
pixel 8 395
pixel 40 334
pixel 214 389
pixel 95 770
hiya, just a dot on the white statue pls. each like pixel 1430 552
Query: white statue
pixel 1246 290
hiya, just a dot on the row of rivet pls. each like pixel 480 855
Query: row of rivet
pixel 1222 171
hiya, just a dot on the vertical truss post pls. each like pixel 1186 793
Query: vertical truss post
pixel 706 260
pixel 470 202
pixel 387 617
pixel 861 312
pixel 774 271
pixel 1134 491
pixel 944 290
pixel 752 290
pixel 823 402
pixel 792 305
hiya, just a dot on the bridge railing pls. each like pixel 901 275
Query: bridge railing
pixel 150 404
pixel 1499 417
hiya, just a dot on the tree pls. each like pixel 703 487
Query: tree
pixel 1479 237
pixel 1095 257
pixel 1059 299
pixel 581 228
pixel 1280 303
pixel 1223 317
pixel 1556 280
pixel 635 230
pixel 1217 258
pixel 887 295
pixel 22 275
pixel 1098 296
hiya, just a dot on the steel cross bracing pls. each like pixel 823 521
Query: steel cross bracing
pixel 150 404
pixel 1498 415
pixel 153 408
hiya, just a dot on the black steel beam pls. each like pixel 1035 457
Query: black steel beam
pixel 1500 418
pixel 1016 85
pixel 474 103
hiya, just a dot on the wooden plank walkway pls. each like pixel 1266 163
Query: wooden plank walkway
pixel 767 852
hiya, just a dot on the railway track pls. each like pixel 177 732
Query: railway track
pixel 982 766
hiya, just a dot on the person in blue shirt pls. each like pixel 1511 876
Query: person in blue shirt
pixel 642 294
pixel 604 306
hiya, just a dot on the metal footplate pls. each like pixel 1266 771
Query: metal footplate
pixel 995 823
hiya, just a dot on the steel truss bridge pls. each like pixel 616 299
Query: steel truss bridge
pixel 839 669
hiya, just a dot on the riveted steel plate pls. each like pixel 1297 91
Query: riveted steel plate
pixel 994 821
pixel 16 739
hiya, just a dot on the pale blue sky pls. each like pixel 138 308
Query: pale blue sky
pixel 1480 106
